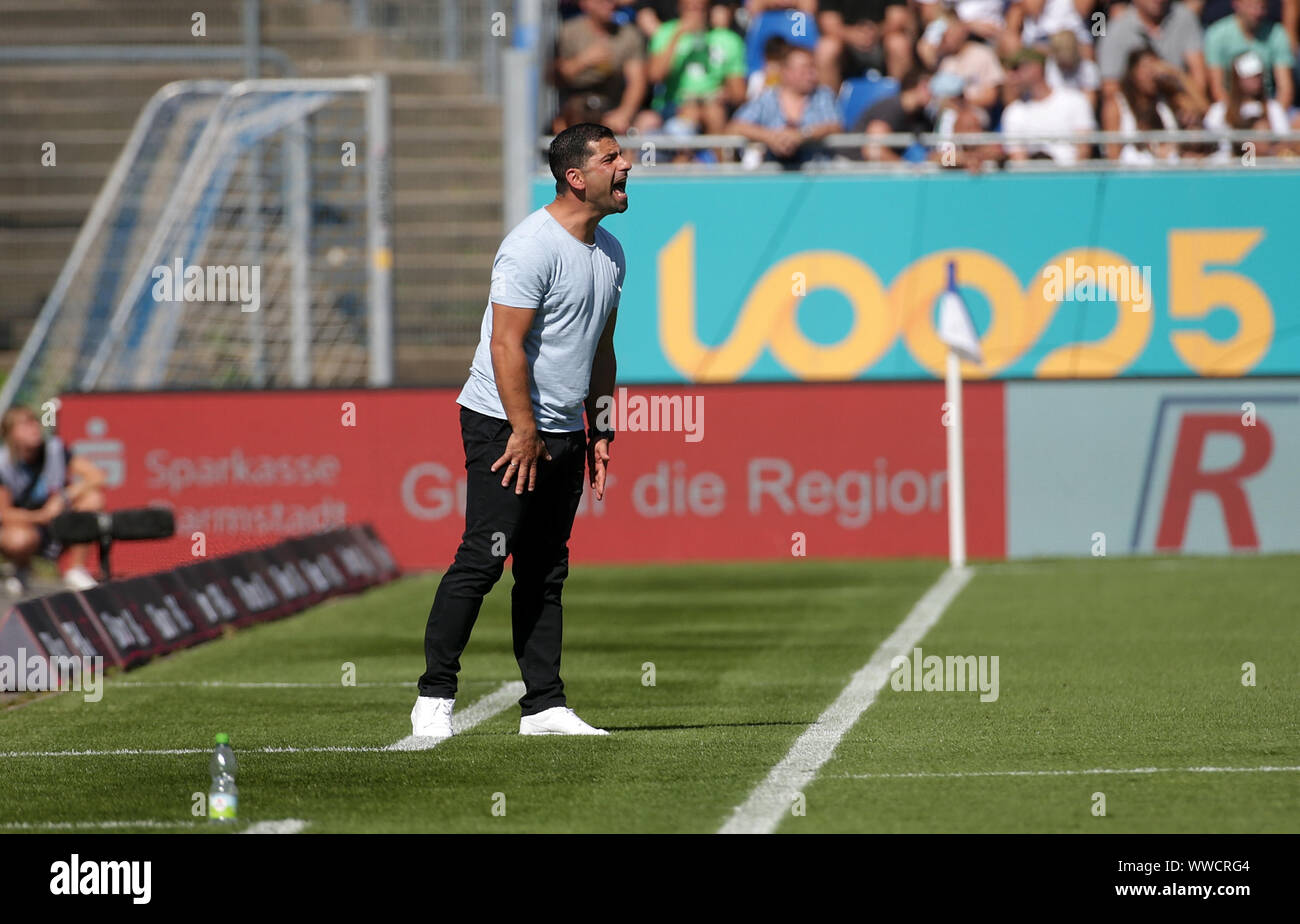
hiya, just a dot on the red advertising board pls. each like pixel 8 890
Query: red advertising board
pixel 729 472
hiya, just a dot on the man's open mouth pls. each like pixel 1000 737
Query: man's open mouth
pixel 620 188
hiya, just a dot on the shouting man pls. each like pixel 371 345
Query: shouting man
pixel 545 352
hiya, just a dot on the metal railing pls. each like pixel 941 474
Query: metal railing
pixel 437 30
pixel 170 54
pixel 853 143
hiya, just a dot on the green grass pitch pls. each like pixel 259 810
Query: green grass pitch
pixel 1104 664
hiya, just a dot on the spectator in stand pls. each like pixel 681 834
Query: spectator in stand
pixel 722 15
pixel 1041 19
pixel 1067 68
pixel 948 100
pixel 791 118
pixel 1151 94
pixel 908 111
pixel 595 57
pixel 773 52
pixel 1247 106
pixel 1110 10
pixel 858 36
pixel 927 44
pixel 1248 29
pixel 756 8
pixel 1287 12
pixel 970 120
pixel 1043 110
pixel 986 18
pixel 576 110
pixel 951 48
pixel 699 71
pixel 649 15
pixel 1171 29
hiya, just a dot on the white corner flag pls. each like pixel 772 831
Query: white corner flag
pixel 957 331
pixel 956 328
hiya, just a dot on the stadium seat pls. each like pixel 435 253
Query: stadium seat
pixel 776 23
pixel 858 93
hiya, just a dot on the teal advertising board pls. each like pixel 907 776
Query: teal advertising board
pixel 836 278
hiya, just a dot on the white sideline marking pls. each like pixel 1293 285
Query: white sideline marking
pixel 771 799
pixel 283 826
pixel 257 684
pixel 480 711
pixel 1095 772
pixel 143 823
pixel 168 752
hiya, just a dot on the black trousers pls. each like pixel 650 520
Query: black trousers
pixel 533 528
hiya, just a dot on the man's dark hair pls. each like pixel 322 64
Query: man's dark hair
pixel 774 49
pixel 912 79
pixel 572 147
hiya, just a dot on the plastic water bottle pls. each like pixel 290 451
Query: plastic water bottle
pixel 223 796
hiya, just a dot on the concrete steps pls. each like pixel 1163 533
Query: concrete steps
pixel 446 151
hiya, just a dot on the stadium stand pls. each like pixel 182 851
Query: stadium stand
pixel 447 115
pixel 1055 60
pixel 446 143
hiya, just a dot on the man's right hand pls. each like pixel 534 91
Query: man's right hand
pixel 523 452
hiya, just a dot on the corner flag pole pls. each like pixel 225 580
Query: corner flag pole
pixel 957 331
pixel 956 466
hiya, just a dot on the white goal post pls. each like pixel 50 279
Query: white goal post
pixel 242 239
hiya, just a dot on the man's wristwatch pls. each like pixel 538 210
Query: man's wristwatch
pixel 593 434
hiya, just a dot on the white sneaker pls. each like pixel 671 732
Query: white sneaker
pixel 558 720
pixel 431 717
pixel 78 578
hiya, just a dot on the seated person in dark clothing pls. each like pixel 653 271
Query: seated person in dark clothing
pixel 858 36
pixel 906 112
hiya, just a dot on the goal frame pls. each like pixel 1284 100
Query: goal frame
pixel 220 136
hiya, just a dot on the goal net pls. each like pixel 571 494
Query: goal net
pixel 241 241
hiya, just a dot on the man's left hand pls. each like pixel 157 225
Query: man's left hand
pixel 598 465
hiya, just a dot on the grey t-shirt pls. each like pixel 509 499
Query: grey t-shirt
pixel 1180 35
pixel 574 287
